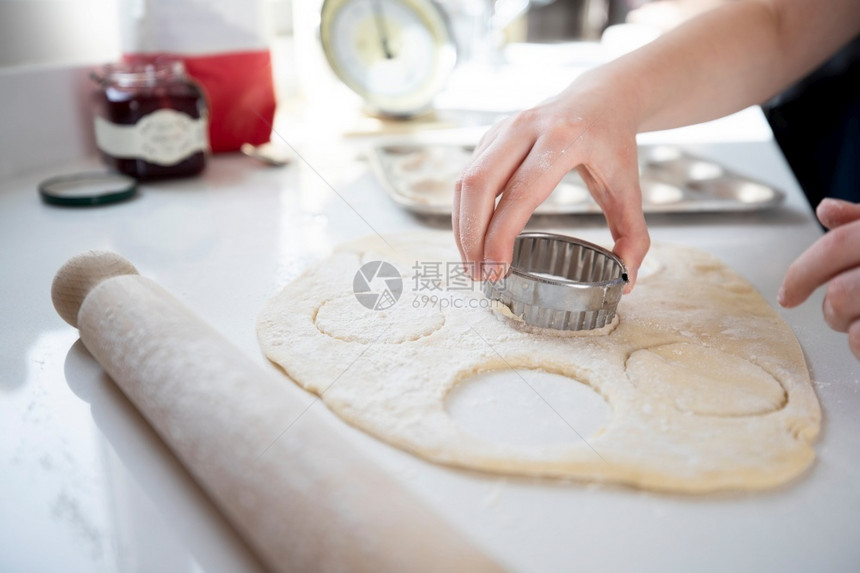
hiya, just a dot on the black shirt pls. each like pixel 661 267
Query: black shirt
pixel 816 123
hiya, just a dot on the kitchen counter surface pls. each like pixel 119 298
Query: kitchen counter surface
pixel 86 485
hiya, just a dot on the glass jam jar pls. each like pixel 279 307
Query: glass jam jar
pixel 151 120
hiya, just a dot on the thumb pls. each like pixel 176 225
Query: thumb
pixel 835 212
pixel 632 249
pixel 620 198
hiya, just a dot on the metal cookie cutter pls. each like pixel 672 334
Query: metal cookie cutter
pixel 560 282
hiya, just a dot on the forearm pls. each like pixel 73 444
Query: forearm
pixel 735 56
pixel 727 59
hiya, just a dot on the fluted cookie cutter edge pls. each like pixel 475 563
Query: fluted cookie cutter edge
pixel 560 282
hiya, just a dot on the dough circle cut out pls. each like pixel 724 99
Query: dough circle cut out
pixel 339 319
pixel 705 381
pixel 707 385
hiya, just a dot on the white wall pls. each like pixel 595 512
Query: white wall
pixel 58 32
pixel 44 117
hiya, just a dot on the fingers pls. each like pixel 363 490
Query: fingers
pixel 627 225
pixel 488 137
pixel 854 339
pixel 536 178
pixel 834 253
pixel 632 248
pixel 842 300
pixel 833 259
pixel 619 195
pixel 476 191
pixel 455 218
pixel 523 159
pixel 834 212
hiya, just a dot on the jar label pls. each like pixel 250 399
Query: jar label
pixel 163 137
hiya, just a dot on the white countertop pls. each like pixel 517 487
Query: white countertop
pixel 85 485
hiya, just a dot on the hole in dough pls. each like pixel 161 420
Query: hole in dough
pixel 501 408
pixel 346 319
pixel 704 380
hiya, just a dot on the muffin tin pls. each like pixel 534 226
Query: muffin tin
pixel 421 179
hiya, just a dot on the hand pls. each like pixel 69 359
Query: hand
pixel 591 126
pixel 833 259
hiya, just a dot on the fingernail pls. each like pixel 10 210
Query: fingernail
pixel 780 296
pixel 827 309
pixel 471 269
pixel 631 276
pixel 827 206
pixel 493 271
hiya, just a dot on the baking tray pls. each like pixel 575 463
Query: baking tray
pixel 420 178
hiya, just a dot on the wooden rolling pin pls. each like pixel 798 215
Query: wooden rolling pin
pixel 302 498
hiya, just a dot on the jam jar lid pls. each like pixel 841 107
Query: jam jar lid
pixel 87 189
pixel 141 73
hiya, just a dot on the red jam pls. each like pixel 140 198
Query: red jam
pixel 152 120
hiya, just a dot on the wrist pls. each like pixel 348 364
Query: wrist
pixel 621 92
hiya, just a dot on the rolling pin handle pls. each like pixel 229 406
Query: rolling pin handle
pixel 80 275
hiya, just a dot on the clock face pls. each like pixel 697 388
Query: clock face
pixel 396 54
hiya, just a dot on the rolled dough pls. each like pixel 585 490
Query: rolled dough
pixel 707 384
